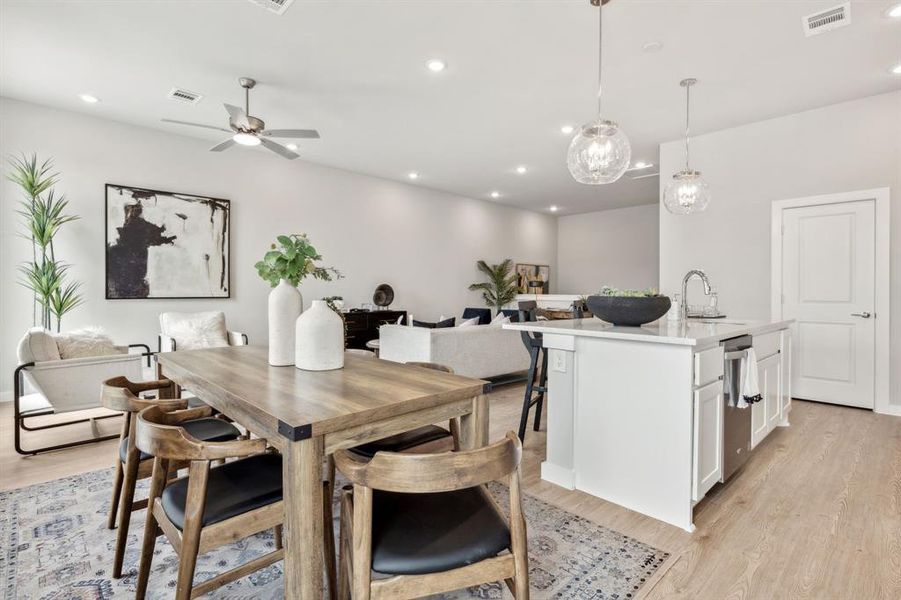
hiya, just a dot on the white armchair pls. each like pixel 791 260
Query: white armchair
pixel 45 383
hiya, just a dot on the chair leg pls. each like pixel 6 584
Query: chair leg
pixel 151 529
pixel 328 532
pixel 527 397
pixel 277 533
pixel 132 460
pixel 198 475
pixel 454 427
pixel 344 549
pixel 117 493
pixel 542 385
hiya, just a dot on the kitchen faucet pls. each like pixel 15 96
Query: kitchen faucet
pixel 703 276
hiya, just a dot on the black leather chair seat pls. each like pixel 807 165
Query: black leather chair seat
pixel 234 488
pixel 402 441
pixel 415 534
pixel 207 429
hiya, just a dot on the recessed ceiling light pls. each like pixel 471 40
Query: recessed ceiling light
pixel 436 65
pixel 554 208
pixel 89 98
pixel 566 129
pixel 652 47
pixel 894 11
pixel 413 175
pixel 495 194
pixel 521 169
pixel 291 147
pixel 896 70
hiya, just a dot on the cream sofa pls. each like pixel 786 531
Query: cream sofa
pixel 481 351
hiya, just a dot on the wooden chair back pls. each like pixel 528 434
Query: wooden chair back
pixel 119 393
pixel 427 473
pixel 159 433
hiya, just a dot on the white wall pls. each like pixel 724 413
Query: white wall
pixel 424 243
pixel 844 147
pixel 619 248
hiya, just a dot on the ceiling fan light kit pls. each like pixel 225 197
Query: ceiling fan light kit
pixel 687 193
pixel 600 152
pixel 248 130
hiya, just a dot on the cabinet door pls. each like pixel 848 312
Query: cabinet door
pixel 786 376
pixel 708 438
pixel 759 422
pixel 772 392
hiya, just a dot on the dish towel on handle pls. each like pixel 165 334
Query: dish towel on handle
pixel 750 389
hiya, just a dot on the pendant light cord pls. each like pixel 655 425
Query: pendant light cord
pixel 247 101
pixel 687 127
pixel 600 51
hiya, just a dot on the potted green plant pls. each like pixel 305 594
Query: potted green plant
pixel 501 287
pixel 288 262
pixel 43 214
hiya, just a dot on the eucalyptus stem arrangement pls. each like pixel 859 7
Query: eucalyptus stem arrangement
pixel 43 214
pixel 293 259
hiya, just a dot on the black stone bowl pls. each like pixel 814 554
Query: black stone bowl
pixel 623 310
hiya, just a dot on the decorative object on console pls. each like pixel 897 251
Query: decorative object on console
pixel 628 307
pixel 284 266
pixel 165 244
pixel 43 216
pixel 319 339
pixel 600 152
pixel 500 289
pixel 383 296
pixel 687 193
pixel 248 130
pixel 532 279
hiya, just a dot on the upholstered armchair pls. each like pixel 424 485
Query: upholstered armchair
pixel 190 331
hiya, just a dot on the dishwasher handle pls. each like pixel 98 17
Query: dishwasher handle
pixel 736 354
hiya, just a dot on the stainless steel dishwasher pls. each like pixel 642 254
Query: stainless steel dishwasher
pixel 736 421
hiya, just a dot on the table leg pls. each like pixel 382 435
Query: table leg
pixel 303 529
pixel 474 426
pixel 167 392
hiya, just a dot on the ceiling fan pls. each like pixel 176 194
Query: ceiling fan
pixel 248 130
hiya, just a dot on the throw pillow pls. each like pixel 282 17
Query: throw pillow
pixel 504 319
pixel 195 330
pixel 469 322
pixel 81 343
pixel 37 345
pixel 439 325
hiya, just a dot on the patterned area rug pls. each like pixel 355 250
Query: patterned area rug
pixel 55 546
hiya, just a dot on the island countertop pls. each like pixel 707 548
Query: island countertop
pixel 693 332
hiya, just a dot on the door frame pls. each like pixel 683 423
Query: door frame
pixel 882 307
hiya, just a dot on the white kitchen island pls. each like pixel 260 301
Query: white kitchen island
pixel 635 414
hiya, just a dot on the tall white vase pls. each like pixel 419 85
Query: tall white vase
pixel 285 305
pixel 319 339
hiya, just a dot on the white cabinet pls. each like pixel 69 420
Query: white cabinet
pixel 767 413
pixel 708 438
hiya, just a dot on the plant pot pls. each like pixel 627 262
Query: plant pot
pixel 628 311
pixel 319 339
pixel 285 305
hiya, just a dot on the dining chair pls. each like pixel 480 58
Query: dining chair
pixel 121 394
pixel 209 507
pixel 427 522
pixel 428 438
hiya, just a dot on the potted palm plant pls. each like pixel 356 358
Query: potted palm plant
pixel 501 287
pixel 44 213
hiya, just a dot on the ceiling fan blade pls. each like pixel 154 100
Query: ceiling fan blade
pixel 292 133
pixel 223 146
pixel 279 149
pixel 195 125
pixel 238 116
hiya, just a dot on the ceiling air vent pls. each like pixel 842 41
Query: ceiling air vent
pixel 827 20
pixel 184 96
pixel 277 6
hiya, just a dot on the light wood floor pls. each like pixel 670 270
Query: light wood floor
pixel 815 514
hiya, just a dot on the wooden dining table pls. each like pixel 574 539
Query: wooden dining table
pixel 307 415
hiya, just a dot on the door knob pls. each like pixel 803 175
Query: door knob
pixel 862 315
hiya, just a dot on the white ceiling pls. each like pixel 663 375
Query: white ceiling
pixel 517 71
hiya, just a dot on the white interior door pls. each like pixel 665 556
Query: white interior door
pixel 828 286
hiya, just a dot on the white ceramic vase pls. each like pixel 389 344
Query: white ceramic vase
pixel 285 305
pixel 319 339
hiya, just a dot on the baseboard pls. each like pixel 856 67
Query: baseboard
pixel 6 396
pixel 889 409
pixel 558 475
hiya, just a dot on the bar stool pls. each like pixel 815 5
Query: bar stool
pixel 534 394
pixel 120 394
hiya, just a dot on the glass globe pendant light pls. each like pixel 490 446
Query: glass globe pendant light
pixel 687 193
pixel 600 152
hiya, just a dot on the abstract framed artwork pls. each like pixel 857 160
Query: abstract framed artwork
pixel 533 279
pixel 166 244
